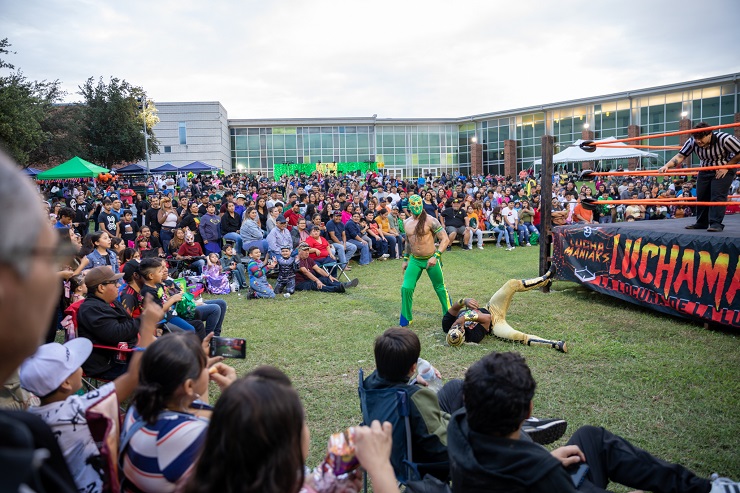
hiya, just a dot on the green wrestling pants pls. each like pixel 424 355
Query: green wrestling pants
pixel 415 267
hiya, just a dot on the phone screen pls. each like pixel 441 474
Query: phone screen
pixel 228 347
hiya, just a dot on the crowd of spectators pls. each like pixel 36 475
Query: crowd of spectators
pixel 117 291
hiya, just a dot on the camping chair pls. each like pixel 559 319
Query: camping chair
pixel 338 270
pixel 392 405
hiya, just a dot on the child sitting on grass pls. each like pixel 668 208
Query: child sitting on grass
pixel 258 274
pixel 217 282
pixel 54 374
pixel 231 262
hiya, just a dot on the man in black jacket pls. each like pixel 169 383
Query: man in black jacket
pixel 487 454
pixel 106 322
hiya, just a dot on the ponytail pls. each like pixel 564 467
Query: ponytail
pixel 421 222
pixel 166 365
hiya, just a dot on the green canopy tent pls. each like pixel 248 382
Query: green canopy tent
pixel 74 168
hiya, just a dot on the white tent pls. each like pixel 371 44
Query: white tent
pixel 574 153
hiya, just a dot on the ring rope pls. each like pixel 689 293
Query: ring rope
pixel 671 172
pixel 668 134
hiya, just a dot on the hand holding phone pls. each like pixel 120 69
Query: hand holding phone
pixel 228 347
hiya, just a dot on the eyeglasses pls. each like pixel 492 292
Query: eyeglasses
pixel 105 283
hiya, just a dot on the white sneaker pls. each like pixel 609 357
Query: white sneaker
pixel 723 485
pixel 286 295
pixel 510 249
pixel 385 255
pixel 480 247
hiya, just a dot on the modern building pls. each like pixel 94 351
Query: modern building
pixel 190 132
pixel 500 142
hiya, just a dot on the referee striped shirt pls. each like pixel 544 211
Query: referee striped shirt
pixel 720 150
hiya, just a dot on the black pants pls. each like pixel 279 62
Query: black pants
pixel 711 189
pixel 612 458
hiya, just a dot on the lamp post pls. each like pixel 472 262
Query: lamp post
pixel 142 106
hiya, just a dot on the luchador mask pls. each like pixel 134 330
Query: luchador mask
pixel 416 205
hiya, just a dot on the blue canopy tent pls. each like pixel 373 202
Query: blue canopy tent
pixel 132 169
pixel 166 168
pixel 198 166
pixel 31 171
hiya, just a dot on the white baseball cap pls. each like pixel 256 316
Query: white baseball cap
pixel 52 364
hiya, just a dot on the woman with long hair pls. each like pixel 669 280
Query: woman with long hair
pixel 176 242
pixel 167 217
pixel 166 424
pixel 258 441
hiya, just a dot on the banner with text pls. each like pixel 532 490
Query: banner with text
pixel 678 274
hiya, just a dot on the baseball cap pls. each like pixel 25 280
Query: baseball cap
pixel 99 275
pixel 52 364
pixel 337 212
pixel 303 246
pixel 129 269
pixel 281 219
pixel 240 196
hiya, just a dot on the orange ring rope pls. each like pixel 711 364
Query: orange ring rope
pixel 670 172
pixel 660 202
pixel 609 146
pixel 670 134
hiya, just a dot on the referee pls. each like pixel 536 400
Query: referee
pixel 713 149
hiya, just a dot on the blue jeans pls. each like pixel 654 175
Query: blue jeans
pixel 364 251
pixel 165 236
pixel 503 233
pixel 344 253
pixel 212 313
pixel 261 244
pixel 237 239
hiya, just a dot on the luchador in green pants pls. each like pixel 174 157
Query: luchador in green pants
pixel 417 265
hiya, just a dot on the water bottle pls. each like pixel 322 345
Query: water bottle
pixel 427 372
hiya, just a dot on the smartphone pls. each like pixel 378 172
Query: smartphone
pixel 228 347
pixel 578 475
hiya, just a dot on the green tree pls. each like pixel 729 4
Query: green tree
pixel 114 121
pixel 24 105
pixel 63 126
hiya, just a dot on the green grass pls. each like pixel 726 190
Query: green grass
pixel 667 384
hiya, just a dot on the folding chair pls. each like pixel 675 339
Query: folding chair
pixel 392 405
pixel 339 269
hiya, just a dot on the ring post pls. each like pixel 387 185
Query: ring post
pixel 546 207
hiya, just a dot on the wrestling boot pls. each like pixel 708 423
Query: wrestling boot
pixel 558 345
pixel 541 281
pixel 544 431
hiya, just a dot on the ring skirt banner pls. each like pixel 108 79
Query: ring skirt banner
pixel 658 264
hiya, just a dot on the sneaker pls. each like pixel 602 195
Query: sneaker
pixel 466 247
pixel 525 244
pixel 480 247
pixel 286 295
pixel 715 229
pixel 449 248
pixel 352 284
pixel 508 249
pixel 723 485
pixel 544 431
pixel 385 255
pixel 500 246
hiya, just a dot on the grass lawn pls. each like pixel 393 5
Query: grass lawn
pixel 667 384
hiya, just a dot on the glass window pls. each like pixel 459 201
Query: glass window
pixel 183 133
pixel 167 148
pixel 728 105
pixel 710 108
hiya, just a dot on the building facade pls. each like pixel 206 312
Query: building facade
pixel 190 132
pixel 502 142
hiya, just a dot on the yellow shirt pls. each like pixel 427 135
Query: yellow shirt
pixel 383 224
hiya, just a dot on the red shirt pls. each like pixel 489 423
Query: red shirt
pixel 292 218
pixel 308 263
pixel 193 250
pixel 320 244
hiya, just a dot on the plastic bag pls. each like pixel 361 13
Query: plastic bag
pixel 186 306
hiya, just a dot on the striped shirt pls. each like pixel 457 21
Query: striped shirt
pixel 159 455
pixel 720 150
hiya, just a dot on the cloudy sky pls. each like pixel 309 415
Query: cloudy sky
pixel 399 58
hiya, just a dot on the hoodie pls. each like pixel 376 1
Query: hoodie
pixel 483 463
